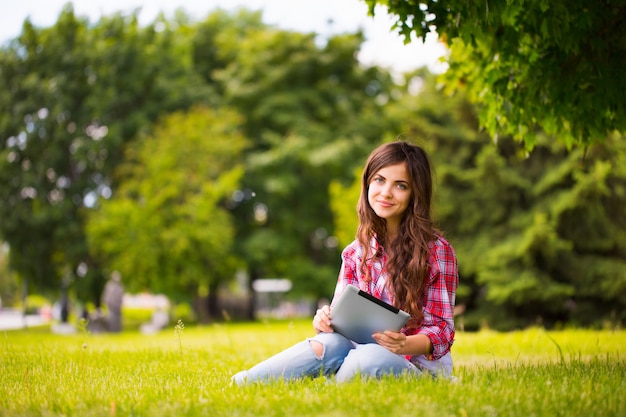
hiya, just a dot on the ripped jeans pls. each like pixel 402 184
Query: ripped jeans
pixel 340 357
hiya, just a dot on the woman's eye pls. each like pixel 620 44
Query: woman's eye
pixel 378 180
pixel 402 187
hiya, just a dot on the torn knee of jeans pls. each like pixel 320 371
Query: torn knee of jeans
pixel 318 348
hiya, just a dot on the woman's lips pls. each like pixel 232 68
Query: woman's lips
pixel 385 204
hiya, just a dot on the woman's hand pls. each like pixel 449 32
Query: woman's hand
pixel 392 341
pixel 321 321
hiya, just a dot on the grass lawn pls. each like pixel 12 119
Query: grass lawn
pixel 174 373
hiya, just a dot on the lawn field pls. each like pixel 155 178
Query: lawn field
pixel 186 372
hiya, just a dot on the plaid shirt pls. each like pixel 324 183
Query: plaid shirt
pixel 439 297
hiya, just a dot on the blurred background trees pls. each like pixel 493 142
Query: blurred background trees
pixel 166 228
pixel 182 152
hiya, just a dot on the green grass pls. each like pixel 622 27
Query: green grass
pixel 526 373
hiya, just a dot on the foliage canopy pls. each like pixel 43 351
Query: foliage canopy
pixel 72 96
pixel 533 65
pixel 166 218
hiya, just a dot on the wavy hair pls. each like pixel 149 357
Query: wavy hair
pixel 407 263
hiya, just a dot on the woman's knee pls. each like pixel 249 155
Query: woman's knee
pixel 368 358
pixel 330 344
pixel 318 348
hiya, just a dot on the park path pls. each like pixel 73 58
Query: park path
pixel 11 319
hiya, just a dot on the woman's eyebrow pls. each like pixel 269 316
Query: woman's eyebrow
pixel 395 182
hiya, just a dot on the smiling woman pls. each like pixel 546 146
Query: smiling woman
pixel 400 258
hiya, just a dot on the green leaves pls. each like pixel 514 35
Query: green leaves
pixel 74 94
pixel 553 66
pixel 172 230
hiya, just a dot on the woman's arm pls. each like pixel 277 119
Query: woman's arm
pixel 347 275
pixel 438 322
pixel 436 334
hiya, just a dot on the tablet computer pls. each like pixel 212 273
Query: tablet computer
pixel 357 314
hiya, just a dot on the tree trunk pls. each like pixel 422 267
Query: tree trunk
pixel 213 308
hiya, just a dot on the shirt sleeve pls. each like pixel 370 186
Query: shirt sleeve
pixel 347 272
pixel 438 309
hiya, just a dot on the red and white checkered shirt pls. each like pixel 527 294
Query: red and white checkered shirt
pixel 439 297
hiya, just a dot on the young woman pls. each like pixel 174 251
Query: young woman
pixel 399 257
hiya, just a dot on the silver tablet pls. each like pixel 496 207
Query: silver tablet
pixel 357 314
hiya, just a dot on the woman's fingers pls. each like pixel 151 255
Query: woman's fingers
pixel 321 321
pixel 392 341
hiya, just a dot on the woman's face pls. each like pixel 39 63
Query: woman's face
pixel 389 194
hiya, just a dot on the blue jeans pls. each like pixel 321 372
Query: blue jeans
pixel 341 357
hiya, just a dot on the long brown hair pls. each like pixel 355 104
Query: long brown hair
pixel 407 264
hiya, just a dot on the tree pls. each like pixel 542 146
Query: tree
pixel 72 96
pixel 532 66
pixel 9 288
pixel 530 230
pixel 310 111
pixel 166 226
pixel 572 241
pixel 215 41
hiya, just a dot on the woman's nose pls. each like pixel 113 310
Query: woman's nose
pixel 386 191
